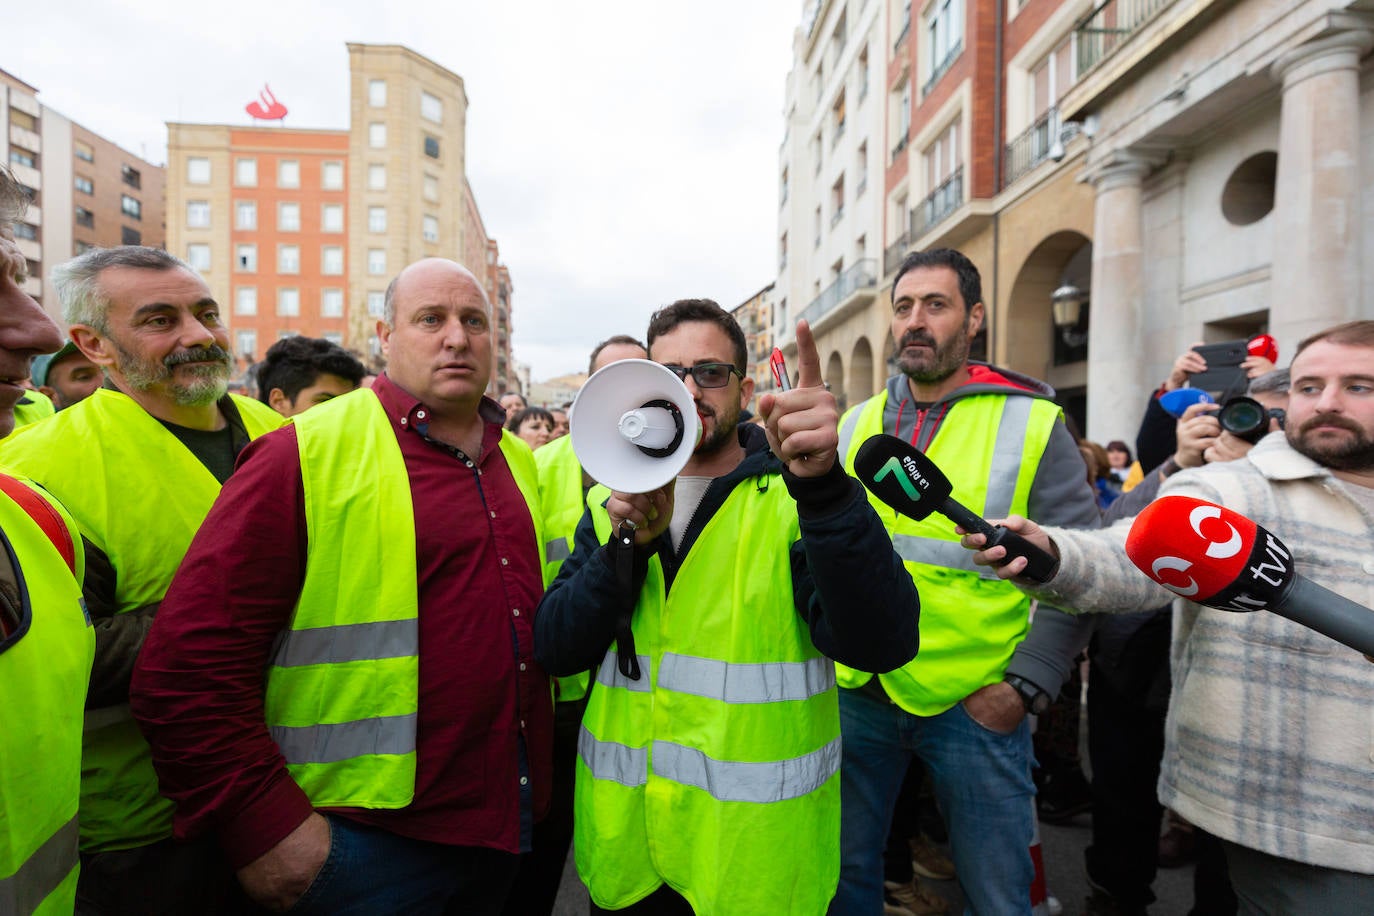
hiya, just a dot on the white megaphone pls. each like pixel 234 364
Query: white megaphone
pixel 634 426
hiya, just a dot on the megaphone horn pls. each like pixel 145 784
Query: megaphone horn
pixel 634 425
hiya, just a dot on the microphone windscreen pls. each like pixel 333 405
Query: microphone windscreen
pixel 1177 401
pixel 898 474
pixel 1196 549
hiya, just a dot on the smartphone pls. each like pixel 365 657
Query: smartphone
pixel 779 366
pixel 1223 375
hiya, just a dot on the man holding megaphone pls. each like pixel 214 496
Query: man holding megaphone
pixel 1268 734
pixel 708 770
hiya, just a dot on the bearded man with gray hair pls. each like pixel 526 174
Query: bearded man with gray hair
pixel 138 465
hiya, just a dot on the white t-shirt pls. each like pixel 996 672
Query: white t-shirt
pixel 687 497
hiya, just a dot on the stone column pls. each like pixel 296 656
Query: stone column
pixel 1116 358
pixel 1317 212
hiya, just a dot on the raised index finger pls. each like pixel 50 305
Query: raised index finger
pixel 808 359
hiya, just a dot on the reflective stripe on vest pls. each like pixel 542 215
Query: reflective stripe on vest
pixel 746 683
pixel 724 780
pixel 42 872
pixel 556 551
pixel 349 642
pixel 345 740
pixel 609 673
pixel 851 423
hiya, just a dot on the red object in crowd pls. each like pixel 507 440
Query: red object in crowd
pixel 1264 345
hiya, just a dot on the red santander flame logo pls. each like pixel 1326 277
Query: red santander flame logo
pixel 266 107
pixel 1190 546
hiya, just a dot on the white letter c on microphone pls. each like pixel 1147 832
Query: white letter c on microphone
pixel 1217 550
pixel 1179 565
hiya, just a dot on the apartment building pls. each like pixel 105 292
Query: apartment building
pixel 301 230
pixel 1130 177
pixel 756 318
pixel 830 165
pixel 86 191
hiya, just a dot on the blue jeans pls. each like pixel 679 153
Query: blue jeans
pixel 372 871
pixel 983 786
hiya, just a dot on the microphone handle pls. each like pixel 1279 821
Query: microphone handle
pixel 1328 613
pixel 1041 567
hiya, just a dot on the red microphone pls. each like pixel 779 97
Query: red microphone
pixel 1213 556
pixel 1263 345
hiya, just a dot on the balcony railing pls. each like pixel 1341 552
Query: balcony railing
pixel 1109 25
pixel 900 147
pixel 943 201
pixel 1031 148
pixel 942 68
pixel 894 253
pixel 857 276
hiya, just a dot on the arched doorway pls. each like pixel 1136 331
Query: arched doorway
pixel 834 377
pixel 860 386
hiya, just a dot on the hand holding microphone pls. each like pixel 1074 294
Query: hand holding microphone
pixel 903 477
pixel 1219 558
pixel 803 423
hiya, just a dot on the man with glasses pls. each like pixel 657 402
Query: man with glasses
pixel 46 642
pixel 710 782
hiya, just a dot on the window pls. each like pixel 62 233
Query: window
pixel 837 117
pixel 131 176
pixel 282 335
pixel 376 261
pixel 245 214
pixel 376 93
pixel 80 248
pixel 288 301
pixel 198 256
pixel 817 152
pixel 288 174
pixel 431 188
pixel 333 337
pixel 376 177
pixel 431 108
pixel 246 173
pixel 85 185
pixel 288 217
pixel 23 119
pixel 26 231
pixel 376 304
pixel 942 157
pixel 376 219
pixel 837 201
pixel 332 260
pixel 288 259
pixel 782 252
pixel 198 170
pixel 130 207
pixel 129 236
pixel 1050 79
pixel 21 157
pixel 85 218
pixel 862 66
pixel 332 176
pixel 431 228
pixel 944 37
pixel 83 151
pixel 782 193
pixel 817 224
pixel 246 300
pixel 861 171
pixel 331 303
pixel 247 343
pixel 246 258
pixel 332 218
pixel 197 214
pixel 376 135
pixel 431 146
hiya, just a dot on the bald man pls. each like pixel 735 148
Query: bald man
pixel 379 560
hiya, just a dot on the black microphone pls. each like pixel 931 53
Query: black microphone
pixel 1216 557
pixel 904 478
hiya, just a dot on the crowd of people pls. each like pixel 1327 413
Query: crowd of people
pixel 383 645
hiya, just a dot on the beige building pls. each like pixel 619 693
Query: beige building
pixel 756 316
pixel 303 229
pixel 86 191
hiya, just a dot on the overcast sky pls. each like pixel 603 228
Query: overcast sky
pixel 623 153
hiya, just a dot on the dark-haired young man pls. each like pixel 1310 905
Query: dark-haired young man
pixel 961 705
pixel 710 782
pixel 299 372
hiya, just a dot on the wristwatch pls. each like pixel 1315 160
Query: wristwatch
pixel 1033 698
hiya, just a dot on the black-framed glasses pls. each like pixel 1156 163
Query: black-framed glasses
pixel 706 375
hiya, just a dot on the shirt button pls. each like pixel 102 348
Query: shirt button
pixel 515 611
pixel 522 723
pixel 420 414
pixel 403 421
pixel 522 666
pixel 505 562
pixel 493 515
pixel 468 463
pixel 524 780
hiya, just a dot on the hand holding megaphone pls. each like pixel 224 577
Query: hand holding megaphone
pixel 647 513
pixel 803 424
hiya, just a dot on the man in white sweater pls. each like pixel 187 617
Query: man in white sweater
pixel 1270 730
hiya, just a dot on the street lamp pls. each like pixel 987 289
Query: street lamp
pixel 1069 309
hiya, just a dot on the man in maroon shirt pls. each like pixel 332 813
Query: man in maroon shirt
pixel 482 730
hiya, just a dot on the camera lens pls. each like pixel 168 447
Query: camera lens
pixel 1245 418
